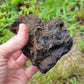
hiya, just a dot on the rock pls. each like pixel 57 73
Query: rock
pixel 48 41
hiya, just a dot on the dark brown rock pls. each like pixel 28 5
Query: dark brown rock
pixel 48 41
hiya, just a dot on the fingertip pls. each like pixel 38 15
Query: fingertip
pixel 22 24
pixel 22 29
pixel 30 71
pixel 21 60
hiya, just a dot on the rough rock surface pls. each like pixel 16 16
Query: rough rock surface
pixel 48 41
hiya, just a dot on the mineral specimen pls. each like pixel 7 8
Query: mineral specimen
pixel 48 41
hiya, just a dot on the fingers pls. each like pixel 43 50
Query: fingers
pixel 15 43
pixel 15 55
pixel 31 71
pixel 21 60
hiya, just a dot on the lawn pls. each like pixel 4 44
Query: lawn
pixel 70 68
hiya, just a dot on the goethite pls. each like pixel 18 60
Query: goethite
pixel 48 41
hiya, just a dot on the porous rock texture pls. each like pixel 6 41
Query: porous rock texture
pixel 48 41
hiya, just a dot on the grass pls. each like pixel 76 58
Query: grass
pixel 69 11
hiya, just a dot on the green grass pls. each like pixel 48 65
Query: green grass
pixel 66 10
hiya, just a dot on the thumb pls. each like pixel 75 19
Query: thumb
pixel 15 43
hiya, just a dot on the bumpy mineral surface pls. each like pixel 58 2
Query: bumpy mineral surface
pixel 48 41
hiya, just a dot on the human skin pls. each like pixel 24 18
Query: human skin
pixel 12 59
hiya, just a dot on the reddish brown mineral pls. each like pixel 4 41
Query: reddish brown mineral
pixel 48 41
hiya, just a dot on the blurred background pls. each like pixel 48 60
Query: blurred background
pixel 70 68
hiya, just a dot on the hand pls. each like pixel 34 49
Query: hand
pixel 12 60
